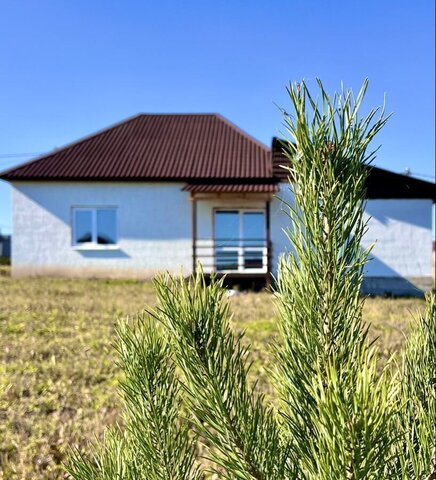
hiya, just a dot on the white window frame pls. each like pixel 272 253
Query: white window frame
pixel 93 245
pixel 240 249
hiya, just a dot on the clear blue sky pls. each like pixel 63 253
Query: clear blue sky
pixel 70 68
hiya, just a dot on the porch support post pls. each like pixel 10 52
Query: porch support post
pixel 194 234
pixel 268 245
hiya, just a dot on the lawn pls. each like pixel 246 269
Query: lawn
pixel 58 371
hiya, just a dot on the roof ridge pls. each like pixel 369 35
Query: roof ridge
pixel 190 114
pixel 241 131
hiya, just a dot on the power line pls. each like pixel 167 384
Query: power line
pixel 410 173
pixel 14 161
pixel 10 161
pixel 423 175
pixel 14 155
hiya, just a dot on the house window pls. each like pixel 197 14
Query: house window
pixel 94 226
pixel 240 240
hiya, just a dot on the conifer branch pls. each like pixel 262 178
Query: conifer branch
pixel 156 443
pixel 416 452
pixel 242 431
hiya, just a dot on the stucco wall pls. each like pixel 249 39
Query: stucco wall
pixel 402 233
pixel 155 232
pixel 279 222
pixel 400 229
pixel 154 229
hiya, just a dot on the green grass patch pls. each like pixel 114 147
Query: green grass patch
pixel 58 371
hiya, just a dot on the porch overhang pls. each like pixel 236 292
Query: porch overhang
pixel 243 253
pixel 218 188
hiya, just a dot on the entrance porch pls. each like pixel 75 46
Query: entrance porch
pixel 231 236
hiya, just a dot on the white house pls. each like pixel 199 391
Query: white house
pixel 162 192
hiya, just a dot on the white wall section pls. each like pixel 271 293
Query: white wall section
pixel 280 222
pixel 400 229
pixel 154 229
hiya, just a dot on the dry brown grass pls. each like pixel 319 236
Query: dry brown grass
pixel 58 373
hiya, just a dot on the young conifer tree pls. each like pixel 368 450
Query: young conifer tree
pixel 335 404
pixel 337 416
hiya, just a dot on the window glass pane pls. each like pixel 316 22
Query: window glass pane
pixel 226 260
pixel 253 259
pixel 82 226
pixel 254 228
pixel 226 228
pixel 106 226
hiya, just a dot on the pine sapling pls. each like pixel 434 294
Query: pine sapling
pixel 186 386
pixel 337 411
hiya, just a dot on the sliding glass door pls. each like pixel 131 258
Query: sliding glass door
pixel 227 231
pixel 240 240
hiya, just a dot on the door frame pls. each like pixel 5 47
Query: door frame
pixel 240 248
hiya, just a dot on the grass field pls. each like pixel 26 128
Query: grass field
pixel 58 372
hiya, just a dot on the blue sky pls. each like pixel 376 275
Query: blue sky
pixel 70 68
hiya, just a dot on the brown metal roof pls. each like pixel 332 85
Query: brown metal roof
pixel 231 188
pixel 156 147
pixel 380 183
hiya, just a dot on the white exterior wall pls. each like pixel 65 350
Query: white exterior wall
pixel 279 222
pixel 402 233
pixel 401 230
pixel 154 229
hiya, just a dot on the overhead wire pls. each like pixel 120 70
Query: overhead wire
pixel 13 155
